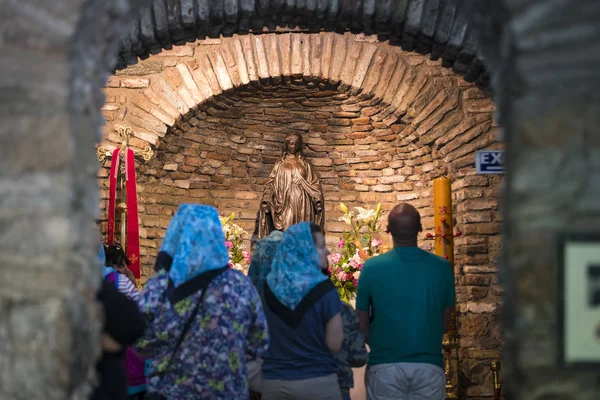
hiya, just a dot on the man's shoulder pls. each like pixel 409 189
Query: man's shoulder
pixel 434 259
pixel 382 259
pixel 385 259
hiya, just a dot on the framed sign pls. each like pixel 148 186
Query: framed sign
pixel 489 161
pixel 579 300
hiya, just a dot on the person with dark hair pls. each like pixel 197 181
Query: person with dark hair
pixel 410 293
pixel 205 319
pixel 117 274
pixel 123 325
pixel 116 270
pixel 303 311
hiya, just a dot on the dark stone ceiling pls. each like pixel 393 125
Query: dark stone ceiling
pixel 439 28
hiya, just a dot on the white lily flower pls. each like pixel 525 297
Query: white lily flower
pixel 364 214
pixel 237 230
pixel 347 218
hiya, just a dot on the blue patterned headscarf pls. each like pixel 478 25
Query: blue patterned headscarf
pixel 262 258
pixel 296 268
pixel 195 241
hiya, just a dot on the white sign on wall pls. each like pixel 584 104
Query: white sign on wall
pixel 489 161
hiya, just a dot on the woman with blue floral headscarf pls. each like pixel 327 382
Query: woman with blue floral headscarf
pixel 303 311
pixel 262 258
pixel 260 266
pixel 204 318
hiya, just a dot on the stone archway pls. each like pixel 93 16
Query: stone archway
pixel 441 29
pixel 177 80
pixel 59 57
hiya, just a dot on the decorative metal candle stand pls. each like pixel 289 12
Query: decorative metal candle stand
pixel 444 247
pixel 122 198
pixel 125 133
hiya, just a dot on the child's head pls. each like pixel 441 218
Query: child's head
pixel 115 256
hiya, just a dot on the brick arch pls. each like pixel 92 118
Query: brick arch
pixel 439 28
pixel 400 85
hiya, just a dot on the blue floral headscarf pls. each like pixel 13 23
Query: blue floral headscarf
pixel 296 268
pixel 262 258
pixel 195 241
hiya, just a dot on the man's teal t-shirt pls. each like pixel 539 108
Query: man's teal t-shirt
pixel 408 289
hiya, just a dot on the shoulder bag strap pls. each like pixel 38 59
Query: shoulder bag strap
pixel 188 324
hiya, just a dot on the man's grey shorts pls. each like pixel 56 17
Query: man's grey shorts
pixel 255 379
pixel 322 388
pixel 405 381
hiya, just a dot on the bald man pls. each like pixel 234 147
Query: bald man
pixel 404 301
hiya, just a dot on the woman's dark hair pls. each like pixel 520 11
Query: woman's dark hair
pixel 314 229
pixel 115 255
pixel 163 261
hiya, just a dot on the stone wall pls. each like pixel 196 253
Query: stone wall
pixel 547 93
pixel 221 150
pixel 55 59
pixel 57 53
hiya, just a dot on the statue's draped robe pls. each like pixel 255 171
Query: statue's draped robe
pixel 292 191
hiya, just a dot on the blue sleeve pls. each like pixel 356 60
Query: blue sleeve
pixel 331 305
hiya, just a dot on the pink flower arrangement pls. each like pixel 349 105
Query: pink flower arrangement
pixel 335 258
pixel 355 261
pixel 359 243
pixel 246 255
pixel 239 258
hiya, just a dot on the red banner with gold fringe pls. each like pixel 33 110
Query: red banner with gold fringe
pixel 112 196
pixel 133 229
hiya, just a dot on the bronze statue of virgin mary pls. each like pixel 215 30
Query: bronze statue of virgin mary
pixel 293 192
